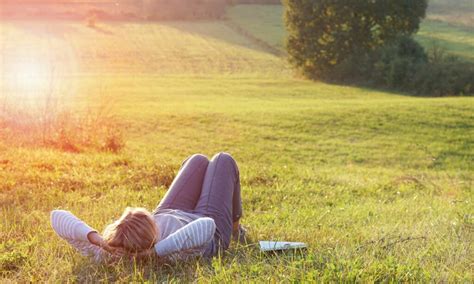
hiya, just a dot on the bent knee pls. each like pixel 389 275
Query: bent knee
pixel 199 157
pixel 226 158
pixel 196 159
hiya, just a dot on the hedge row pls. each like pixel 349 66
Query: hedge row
pixel 404 65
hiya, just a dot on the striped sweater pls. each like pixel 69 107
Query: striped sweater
pixel 178 237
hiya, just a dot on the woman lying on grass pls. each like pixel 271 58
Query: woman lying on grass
pixel 198 215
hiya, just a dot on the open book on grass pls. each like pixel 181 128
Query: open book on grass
pixel 276 246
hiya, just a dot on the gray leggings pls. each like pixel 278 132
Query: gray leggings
pixel 208 188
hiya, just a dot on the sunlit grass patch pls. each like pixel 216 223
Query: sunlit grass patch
pixel 182 48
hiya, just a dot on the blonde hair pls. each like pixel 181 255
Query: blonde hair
pixel 134 231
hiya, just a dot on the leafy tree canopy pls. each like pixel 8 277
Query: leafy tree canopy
pixel 324 33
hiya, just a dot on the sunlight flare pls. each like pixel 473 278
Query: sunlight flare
pixel 25 72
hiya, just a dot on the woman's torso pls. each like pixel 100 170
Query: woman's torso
pixel 171 220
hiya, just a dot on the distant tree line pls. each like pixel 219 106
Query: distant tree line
pixel 123 9
pixel 233 2
pixel 191 9
pixel 370 42
pixel 183 9
pixel 116 10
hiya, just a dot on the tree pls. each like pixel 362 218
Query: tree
pixel 325 33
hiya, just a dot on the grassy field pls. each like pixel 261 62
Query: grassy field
pixel 380 185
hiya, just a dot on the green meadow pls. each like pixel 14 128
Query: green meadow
pixel 378 184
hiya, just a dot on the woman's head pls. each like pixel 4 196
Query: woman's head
pixel 134 231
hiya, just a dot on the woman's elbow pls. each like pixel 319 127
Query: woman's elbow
pixel 54 215
pixel 58 220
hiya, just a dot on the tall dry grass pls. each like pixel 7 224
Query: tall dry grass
pixel 49 121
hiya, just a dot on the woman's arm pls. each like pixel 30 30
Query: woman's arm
pixel 77 233
pixel 195 235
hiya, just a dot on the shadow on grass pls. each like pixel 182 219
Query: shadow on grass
pixel 373 89
pixel 237 260
pixel 157 272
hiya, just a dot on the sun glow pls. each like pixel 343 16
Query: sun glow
pixel 36 69
pixel 32 75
